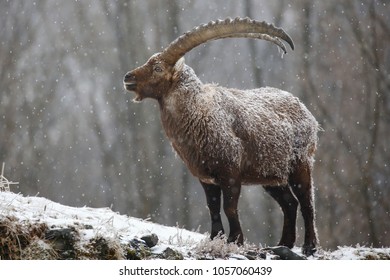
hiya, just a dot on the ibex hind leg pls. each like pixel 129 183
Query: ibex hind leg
pixel 289 205
pixel 300 181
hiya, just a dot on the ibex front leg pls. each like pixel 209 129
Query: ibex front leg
pixel 231 194
pixel 213 196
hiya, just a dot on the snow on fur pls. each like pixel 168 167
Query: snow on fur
pixel 261 131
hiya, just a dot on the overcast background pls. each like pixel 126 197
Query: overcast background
pixel 69 132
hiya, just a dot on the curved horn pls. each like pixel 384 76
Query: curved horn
pixel 228 28
pixel 266 37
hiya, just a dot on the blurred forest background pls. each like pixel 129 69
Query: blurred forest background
pixel 69 132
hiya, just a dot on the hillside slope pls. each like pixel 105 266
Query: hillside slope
pixel 37 228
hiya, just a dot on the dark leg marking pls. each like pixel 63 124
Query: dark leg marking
pixel 289 204
pixel 301 184
pixel 213 197
pixel 231 194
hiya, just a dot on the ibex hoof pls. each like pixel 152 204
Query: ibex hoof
pixel 309 250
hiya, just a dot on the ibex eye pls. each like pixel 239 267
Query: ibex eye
pixel 157 69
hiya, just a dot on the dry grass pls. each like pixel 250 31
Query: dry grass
pixel 39 249
pixel 100 248
pixel 25 241
pixel 15 237
pixel 219 248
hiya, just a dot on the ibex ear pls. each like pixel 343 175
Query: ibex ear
pixel 178 66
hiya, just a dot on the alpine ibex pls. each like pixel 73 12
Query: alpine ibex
pixel 229 137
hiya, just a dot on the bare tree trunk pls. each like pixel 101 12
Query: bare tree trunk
pixel 367 173
pixel 257 71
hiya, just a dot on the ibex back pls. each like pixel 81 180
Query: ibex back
pixel 229 137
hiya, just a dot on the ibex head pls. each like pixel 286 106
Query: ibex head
pixel 158 74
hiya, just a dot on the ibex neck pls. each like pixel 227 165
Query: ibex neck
pixel 187 85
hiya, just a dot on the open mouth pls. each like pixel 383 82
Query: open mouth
pixel 130 86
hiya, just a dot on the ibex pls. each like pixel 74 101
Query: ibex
pixel 229 137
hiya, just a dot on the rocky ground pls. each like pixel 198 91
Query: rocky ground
pixel 37 228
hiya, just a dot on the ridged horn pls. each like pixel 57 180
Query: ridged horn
pixel 220 29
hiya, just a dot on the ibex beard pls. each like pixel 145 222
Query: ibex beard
pixel 229 137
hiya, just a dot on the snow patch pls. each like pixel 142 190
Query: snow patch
pixel 26 224
pixel 93 222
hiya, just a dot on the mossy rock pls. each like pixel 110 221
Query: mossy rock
pixel 137 250
pixel 170 254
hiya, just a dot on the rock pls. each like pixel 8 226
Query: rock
pixel 137 250
pixel 63 241
pixel 63 236
pixel 150 240
pixel 285 253
pixel 237 257
pixel 102 249
pixel 255 255
pixel 170 254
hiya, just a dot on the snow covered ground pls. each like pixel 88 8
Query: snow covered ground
pixel 37 228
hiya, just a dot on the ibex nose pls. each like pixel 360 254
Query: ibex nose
pixel 129 81
pixel 129 78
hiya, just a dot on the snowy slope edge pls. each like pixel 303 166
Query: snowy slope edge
pixel 37 228
pixel 38 224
